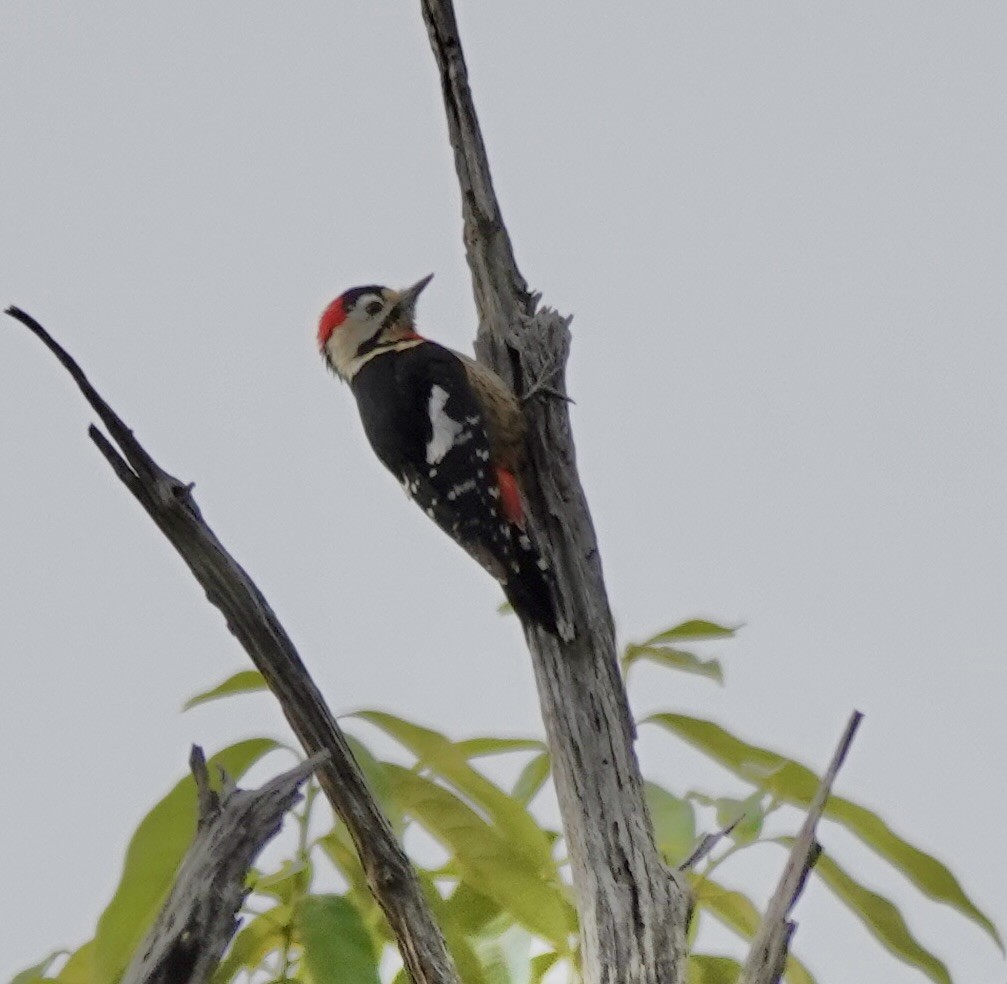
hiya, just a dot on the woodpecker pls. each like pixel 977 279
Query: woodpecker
pixel 448 428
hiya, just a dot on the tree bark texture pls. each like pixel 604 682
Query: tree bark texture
pixel 195 925
pixel 170 503
pixel 633 910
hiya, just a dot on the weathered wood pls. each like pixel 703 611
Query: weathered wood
pixel 169 502
pixel 199 918
pixel 767 957
pixel 633 911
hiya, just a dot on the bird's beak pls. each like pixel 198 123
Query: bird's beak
pixel 405 307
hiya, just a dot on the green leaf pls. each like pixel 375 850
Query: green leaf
pixel 476 747
pixel 738 913
pixel 465 931
pixel 443 757
pixel 879 915
pixel 471 910
pixel 454 921
pixel 733 909
pixel 694 630
pixel 532 779
pixel 796 973
pixel 747 812
pixel 283 883
pixel 928 874
pixel 337 949
pixel 506 958
pixel 32 974
pixel 703 969
pixel 242 682
pixel 255 941
pixel 487 860
pixel 152 860
pixel 470 967
pixel 377 782
pixel 673 659
pixel 791 782
pixel 541 965
pixel 79 969
pixel 341 851
pixel 674 822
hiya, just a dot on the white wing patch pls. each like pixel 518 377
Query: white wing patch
pixel 444 431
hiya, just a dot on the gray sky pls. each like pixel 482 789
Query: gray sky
pixel 782 231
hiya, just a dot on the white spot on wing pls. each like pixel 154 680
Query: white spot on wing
pixel 444 430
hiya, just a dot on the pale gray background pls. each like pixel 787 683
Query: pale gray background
pixel 781 228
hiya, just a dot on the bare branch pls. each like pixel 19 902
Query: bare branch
pixel 209 801
pixel 768 955
pixel 633 911
pixel 170 504
pixel 197 921
pixel 707 844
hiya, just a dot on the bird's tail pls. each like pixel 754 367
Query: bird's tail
pixel 531 589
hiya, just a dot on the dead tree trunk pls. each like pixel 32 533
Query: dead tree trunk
pixel 633 910
pixel 199 918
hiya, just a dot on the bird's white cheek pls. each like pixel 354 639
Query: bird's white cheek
pixel 342 349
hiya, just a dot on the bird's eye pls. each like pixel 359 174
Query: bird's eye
pixel 373 308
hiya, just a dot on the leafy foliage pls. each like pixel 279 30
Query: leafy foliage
pixel 494 872
pixel 788 781
pixel 337 948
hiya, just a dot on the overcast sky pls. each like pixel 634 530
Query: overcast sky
pixel 781 229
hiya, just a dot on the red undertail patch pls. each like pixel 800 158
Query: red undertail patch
pixel 510 497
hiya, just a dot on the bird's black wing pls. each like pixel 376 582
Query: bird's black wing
pixel 426 424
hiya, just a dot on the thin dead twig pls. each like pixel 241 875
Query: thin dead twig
pixel 767 957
